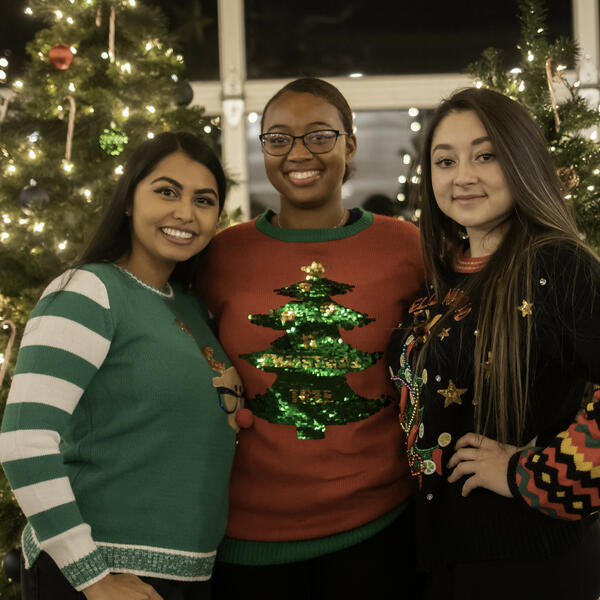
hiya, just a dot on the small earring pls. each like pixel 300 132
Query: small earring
pixel 462 234
pixel 127 213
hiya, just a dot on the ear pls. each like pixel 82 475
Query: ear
pixel 351 145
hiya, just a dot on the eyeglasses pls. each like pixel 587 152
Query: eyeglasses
pixel 317 142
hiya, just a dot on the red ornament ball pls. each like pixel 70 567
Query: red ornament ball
pixel 61 56
pixel 244 418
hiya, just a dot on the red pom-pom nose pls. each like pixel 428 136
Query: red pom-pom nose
pixel 244 418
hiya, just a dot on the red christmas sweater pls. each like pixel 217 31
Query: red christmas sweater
pixel 305 316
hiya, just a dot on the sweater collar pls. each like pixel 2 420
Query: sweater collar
pixel 467 264
pixel 264 225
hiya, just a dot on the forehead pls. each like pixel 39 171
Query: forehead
pixel 185 170
pixel 458 127
pixel 300 109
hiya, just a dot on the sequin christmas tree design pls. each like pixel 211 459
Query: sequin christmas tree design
pixel 311 359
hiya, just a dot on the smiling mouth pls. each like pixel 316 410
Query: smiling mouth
pixel 303 177
pixel 177 234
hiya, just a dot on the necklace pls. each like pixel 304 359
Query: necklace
pixel 277 220
pixel 167 292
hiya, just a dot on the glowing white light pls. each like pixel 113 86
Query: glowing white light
pixel 479 84
pixel 32 154
pixel 62 245
pixel 4 236
pixel 415 126
pixel 39 227
pixel 22 221
pixel 151 109
pixel 594 135
pixel 413 112
pixel 568 197
pixel 401 197
pixel 169 52
pixel 67 166
pixel 11 169
pixel 91 109
pixel 590 188
pixel 521 86
pixel 418 213
pixel 596 171
pixel 402 179
pixel 6 219
pixel 18 84
pixel 58 14
pixel 87 193
pixel 540 30
pixel 179 58
pixel 126 68
pixel 207 129
pixel 125 112
pixel 1 358
pixel 2 74
pixel 119 170
pixel 131 2
pixel 70 21
pixel 73 50
pixel 415 179
pixel 149 135
pixel 561 67
pixel 577 84
pixel 406 159
pixel 552 148
pixel 71 87
pixel 516 70
pixel 148 46
pixel 530 56
pixel 355 75
pixel 252 117
pixel 104 55
pixel 174 78
pixel 3 62
pixel 28 11
pixel 59 108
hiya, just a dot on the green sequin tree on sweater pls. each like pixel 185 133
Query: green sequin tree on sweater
pixel 311 360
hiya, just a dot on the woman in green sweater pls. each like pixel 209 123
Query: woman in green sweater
pixel 116 436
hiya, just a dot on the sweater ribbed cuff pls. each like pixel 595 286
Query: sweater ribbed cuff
pixel 516 482
pixel 86 571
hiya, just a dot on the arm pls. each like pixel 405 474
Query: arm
pixel 65 342
pixel 563 479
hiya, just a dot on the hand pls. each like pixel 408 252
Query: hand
pixel 121 587
pixel 486 460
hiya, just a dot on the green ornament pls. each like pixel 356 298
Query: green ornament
pixel 113 141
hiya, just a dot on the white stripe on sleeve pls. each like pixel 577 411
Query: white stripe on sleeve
pixel 81 282
pixel 28 443
pixel 65 334
pixel 39 497
pixel 44 389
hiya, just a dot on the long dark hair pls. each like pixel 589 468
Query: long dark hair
pixel 540 217
pixel 112 238
pixel 324 90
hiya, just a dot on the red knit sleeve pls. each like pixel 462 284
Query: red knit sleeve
pixel 563 479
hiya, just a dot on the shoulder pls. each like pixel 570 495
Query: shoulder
pixel 234 232
pixel 396 228
pixel 566 263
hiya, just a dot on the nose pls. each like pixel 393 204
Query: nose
pixel 299 151
pixel 183 210
pixel 465 174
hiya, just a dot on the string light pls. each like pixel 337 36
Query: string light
pixel 402 179
pixel 119 170
pixel 71 87
pixel 59 108
pixel 179 58
pixel 3 62
pixel 23 221
pixel 479 84
pixel 18 84
pixel 4 236
pixel 413 112
pixel 174 78
pixel 355 75
pixel 521 86
pixel 70 21
pixel 596 171
pixel 149 135
pixel 91 109
pixel 415 179
pixel 58 14
pixel 125 112
pixel 87 193
pixel 104 55
pixel 252 117
pixel 131 2
pixel 516 70
pixel 62 245
pixel 39 227
pixel 148 46
pixel 28 11
pixel 73 50
pixel 151 109
pixel 590 188
pixel 169 52
pixel 406 159
pixel 415 126
pixel 530 56
pixel 2 74
pixel 67 166
pixel 6 219
pixel 401 197
pixel 126 68
pixel 207 129
pixel 11 169
pixel 32 154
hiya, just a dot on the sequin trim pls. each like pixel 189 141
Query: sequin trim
pixel 165 294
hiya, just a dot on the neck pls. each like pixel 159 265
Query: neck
pixel 323 217
pixel 154 275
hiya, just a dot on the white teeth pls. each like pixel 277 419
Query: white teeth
pixel 302 174
pixel 184 235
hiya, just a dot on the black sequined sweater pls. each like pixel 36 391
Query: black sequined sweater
pixel 437 409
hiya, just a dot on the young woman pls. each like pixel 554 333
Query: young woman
pixel 306 300
pixel 495 358
pixel 113 438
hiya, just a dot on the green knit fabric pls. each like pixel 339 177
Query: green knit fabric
pixel 113 438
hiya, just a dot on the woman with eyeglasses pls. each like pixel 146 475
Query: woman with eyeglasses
pixel 113 438
pixel 493 361
pixel 305 299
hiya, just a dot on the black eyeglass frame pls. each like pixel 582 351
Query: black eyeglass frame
pixel 262 137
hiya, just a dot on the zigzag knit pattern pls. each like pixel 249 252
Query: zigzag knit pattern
pixel 563 479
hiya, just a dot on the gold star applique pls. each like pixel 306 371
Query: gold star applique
pixel 452 394
pixel 287 315
pixel 444 333
pixel 315 269
pixel 525 308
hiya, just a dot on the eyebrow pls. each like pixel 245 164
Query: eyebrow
pixel 475 142
pixel 176 183
pixel 319 123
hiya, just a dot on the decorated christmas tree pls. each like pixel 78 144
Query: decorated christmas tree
pixel 567 111
pixel 311 351
pixel 102 77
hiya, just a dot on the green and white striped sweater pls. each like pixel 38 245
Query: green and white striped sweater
pixel 113 439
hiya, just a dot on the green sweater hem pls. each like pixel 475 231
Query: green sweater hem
pixel 253 553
